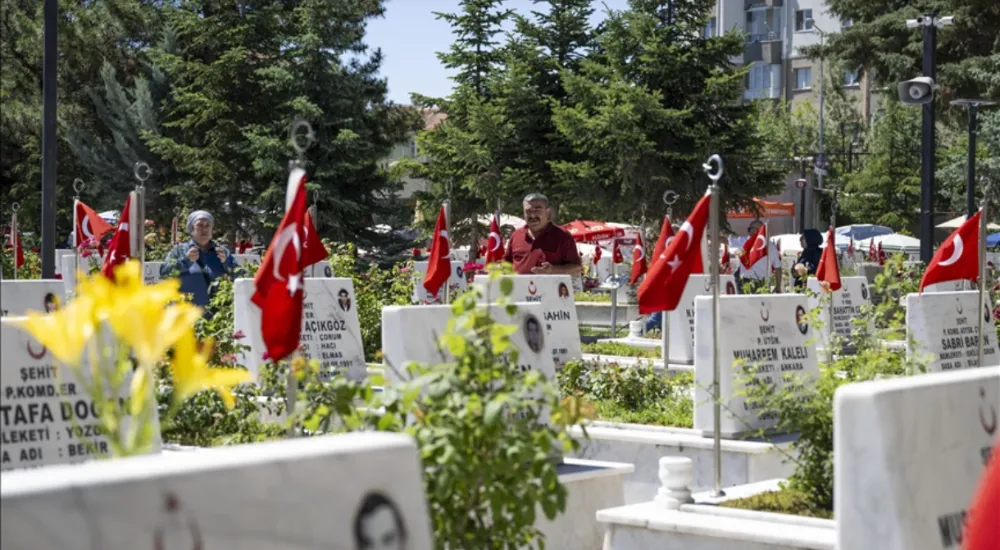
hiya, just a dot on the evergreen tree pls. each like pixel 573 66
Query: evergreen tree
pixel 243 73
pixel 654 102
pixel 475 52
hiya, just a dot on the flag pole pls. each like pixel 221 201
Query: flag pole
pixel 446 297
pixel 138 230
pixel 314 214
pixel 669 198
pixel 14 237
pixel 78 186
pixel 716 368
pixel 982 274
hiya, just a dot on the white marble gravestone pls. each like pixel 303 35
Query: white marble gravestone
pixel 60 252
pixel 151 272
pixel 771 335
pixel 70 267
pixel 457 283
pixel 854 293
pixel 331 332
pixel 555 293
pixel 412 334
pixel 350 491
pixel 945 324
pixel 682 319
pixel 908 456
pixel 46 416
pixel 948 286
pixel 40 295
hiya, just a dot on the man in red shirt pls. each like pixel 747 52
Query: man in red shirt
pixel 540 247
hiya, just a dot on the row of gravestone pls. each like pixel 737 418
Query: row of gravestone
pixel 771 334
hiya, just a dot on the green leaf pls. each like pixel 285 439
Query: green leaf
pixel 506 286
pixel 491 415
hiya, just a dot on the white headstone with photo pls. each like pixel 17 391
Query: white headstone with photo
pixel 908 455
pixel 21 296
pixel 359 490
pixel 457 283
pixel 942 327
pixel 331 332
pixel 413 334
pixel 846 305
pixel 771 340
pixel 555 294
pixel 46 414
pixel 682 319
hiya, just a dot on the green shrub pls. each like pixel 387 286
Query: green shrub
pixel 622 350
pixel 784 501
pixel 631 394
pixel 588 296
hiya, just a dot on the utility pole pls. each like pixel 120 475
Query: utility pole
pixel 820 162
pixel 50 55
pixel 970 185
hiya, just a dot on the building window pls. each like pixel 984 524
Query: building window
pixel 803 78
pixel 846 23
pixel 851 78
pixel 413 147
pixel 803 20
pixel 709 30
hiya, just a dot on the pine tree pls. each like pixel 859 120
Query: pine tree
pixel 244 72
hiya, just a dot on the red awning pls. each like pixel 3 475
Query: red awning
pixel 768 209
pixel 591 232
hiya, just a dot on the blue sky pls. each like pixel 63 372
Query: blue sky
pixel 410 36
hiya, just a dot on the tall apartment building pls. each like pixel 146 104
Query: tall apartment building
pixel 776 33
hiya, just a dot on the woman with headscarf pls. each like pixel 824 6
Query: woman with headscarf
pixel 808 260
pixel 199 261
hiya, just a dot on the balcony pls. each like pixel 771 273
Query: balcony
pixel 763 47
pixel 748 4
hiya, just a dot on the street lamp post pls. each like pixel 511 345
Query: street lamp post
pixel 50 55
pixel 970 186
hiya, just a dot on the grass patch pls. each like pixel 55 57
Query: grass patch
pixel 601 332
pixel 586 296
pixel 674 413
pixel 622 350
pixel 783 501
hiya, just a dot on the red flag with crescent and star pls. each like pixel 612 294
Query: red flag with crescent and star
pixel 850 248
pixel 313 250
pixel 665 282
pixel 758 247
pixel 494 245
pixel 828 271
pixel 597 254
pixel 278 285
pixel 666 233
pixel 958 256
pixel 881 254
pixel 616 253
pixel 638 260
pixel 89 226
pixel 871 250
pixel 120 248
pixel 439 263
pixel 724 261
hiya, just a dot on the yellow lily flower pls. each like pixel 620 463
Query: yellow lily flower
pixel 150 329
pixel 192 373
pixel 64 332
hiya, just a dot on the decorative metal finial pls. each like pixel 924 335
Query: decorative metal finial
pixel 78 185
pixel 707 167
pixel 15 207
pixel 670 197
pixel 301 141
pixel 141 171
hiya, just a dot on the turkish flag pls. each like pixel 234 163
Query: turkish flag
pixel 980 532
pixel 828 271
pixel 881 254
pixel 665 282
pixel 958 256
pixel 278 285
pixel 758 247
pixel 850 248
pixel 666 232
pixel 724 261
pixel 120 248
pixel 616 253
pixel 89 226
pixel 14 240
pixel 494 245
pixel 638 260
pixel 439 263
pixel 597 254
pixel 871 250
pixel 313 250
